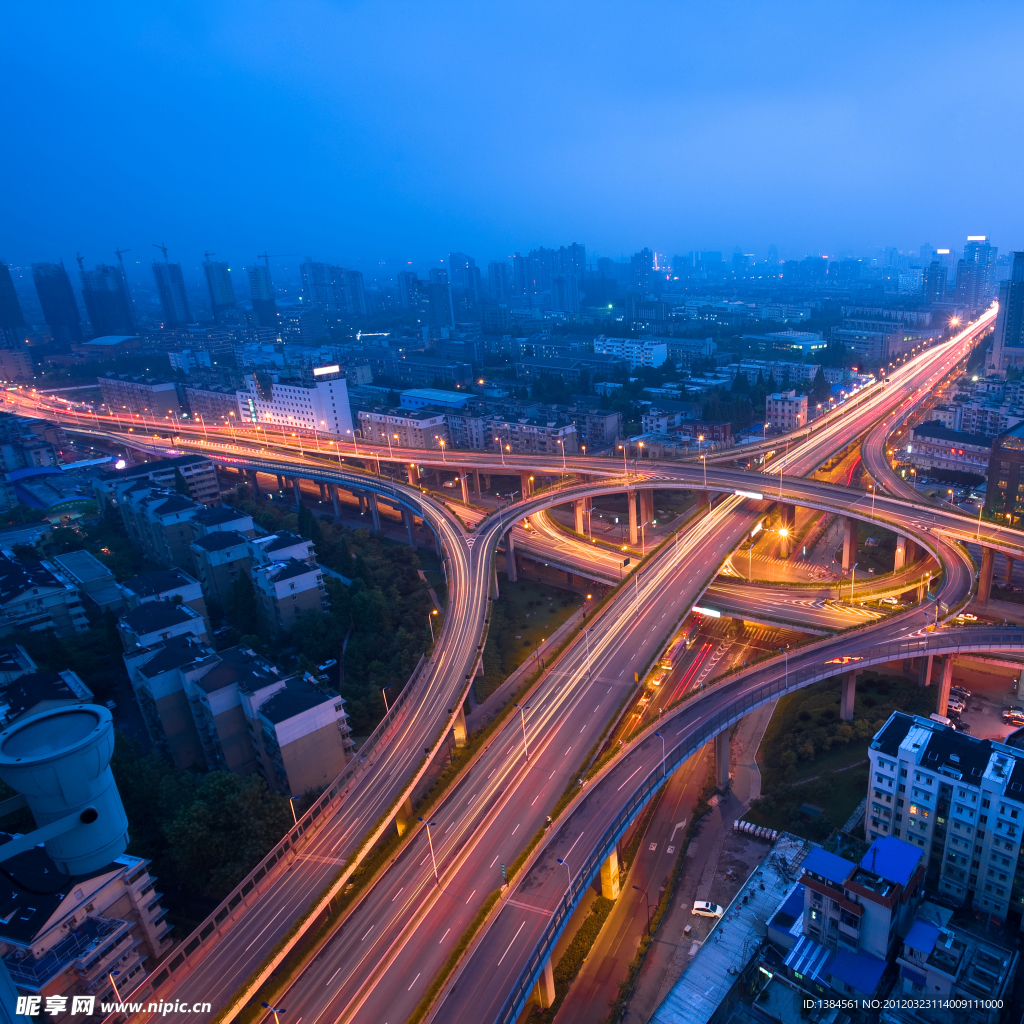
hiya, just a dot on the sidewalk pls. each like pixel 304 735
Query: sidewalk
pixel 607 964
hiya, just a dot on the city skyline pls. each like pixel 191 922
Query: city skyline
pixel 806 130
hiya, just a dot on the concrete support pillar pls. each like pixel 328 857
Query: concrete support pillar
pixel 370 465
pixel 297 491
pixel 788 516
pixel 403 816
pixel 947 679
pixel 722 760
pixel 901 554
pixel 1009 568
pixel 334 498
pixel 633 533
pixel 924 670
pixel 280 482
pixel 374 510
pixel 849 543
pixel 988 557
pixel 464 481
pixel 911 552
pixel 510 558
pixel 487 481
pixel 579 507
pixel 647 505
pixel 544 990
pixel 361 498
pixel 459 727
pixel 849 696
pixel 254 480
pixel 323 493
pixel 407 519
pixel 476 483
pixel 610 876
pixel 525 484
pixel 413 472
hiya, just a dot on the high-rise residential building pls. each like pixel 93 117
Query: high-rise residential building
pixel 57 300
pixel 773 255
pixel 170 286
pixel 499 282
pixel 262 289
pixel 970 284
pixel 981 254
pixel 11 318
pixel 464 275
pixel 642 272
pixel 520 272
pixel 107 300
pixel 926 252
pixel 333 289
pixel 565 294
pixel 220 287
pixel 1008 341
pixel 408 289
pixel 439 294
pixel 933 282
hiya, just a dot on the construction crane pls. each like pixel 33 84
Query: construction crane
pixel 162 248
pixel 268 256
pixel 207 255
pixel 81 262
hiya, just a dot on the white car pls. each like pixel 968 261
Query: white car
pixel 701 908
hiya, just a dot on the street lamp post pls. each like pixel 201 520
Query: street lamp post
pixel 384 691
pixel 523 708
pixel 625 469
pixel 430 623
pixel 501 448
pixel 562 444
pixel 648 902
pixel 568 871
pixel 275 1010
pixel 430 843
pixel 662 738
pixel 853 580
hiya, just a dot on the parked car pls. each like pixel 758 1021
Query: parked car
pixel 957 706
pixel 1013 718
pixel 1016 708
pixel 961 690
pixel 701 908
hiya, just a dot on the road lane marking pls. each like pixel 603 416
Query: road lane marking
pixel 571 848
pixel 552 775
pixel 443 937
pixel 516 829
pixel 493 770
pixel 535 799
pixel 505 954
pixel 566 754
pixel 595 709
pixel 370 929
pixel 449 828
pixel 397 894
pixel 584 727
pixel 417 978
pixel 266 926
pixel 493 862
pixel 631 776
pixel 334 975
pixel 473 893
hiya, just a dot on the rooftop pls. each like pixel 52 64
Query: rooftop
pixel 828 865
pixel 83 566
pixel 159 581
pixel 220 540
pixel 297 696
pixel 892 859
pixel 934 430
pixel 154 615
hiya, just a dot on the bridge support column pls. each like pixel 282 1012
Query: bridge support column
pixel 988 557
pixel 464 480
pixel 403 816
pixel 297 491
pixel 407 519
pixel 1009 568
pixel 476 482
pixel 280 482
pixel 722 760
pixel 459 727
pixel 947 679
pixel 544 990
pixel 787 514
pixel 371 499
pixel 631 501
pixel 254 480
pixel 413 472
pixel 510 558
pixel 924 670
pixel 525 484
pixel 849 543
pixel 610 876
pixel 647 505
pixel 911 552
pixel 579 507
pixel 487 481
pixel 849 696
pixel 323 493
pixel 901 554
pixel 334 498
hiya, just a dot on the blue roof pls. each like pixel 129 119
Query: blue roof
pixel 891 858
pixel 794 905
pixel 828 865
pixel 922 935
pixel 810 959
pixel 858 970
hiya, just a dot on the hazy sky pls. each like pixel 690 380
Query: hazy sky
pixel 357 132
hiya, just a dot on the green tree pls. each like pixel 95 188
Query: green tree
pixel 180 486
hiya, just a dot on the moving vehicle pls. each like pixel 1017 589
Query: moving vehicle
pixel 1013 718
pixel 701 908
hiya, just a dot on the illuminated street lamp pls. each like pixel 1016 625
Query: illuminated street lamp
pixel 384 692
pixel 622 448
pixel 273 1009
pixel 430 622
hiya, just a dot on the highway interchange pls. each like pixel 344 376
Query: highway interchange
pixel 391 945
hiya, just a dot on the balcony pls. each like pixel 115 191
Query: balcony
pixel 33 973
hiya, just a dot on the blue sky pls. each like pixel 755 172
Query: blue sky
pixel 361 132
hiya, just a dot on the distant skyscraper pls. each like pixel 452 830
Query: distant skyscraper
pixel 970 283
pixel 464 275
pixel 220 287
pixel 498 281
pixel 57 300
pixel 105 293
pixel 933 282
pixel 10 308
pixel 773 255
pixel 439 293
pixel 170 286
pixel 565 294
pixel 355 293
pixel 982 256
pixel 408 289
pixel 1008 340
pixel 333 289
pixel 262 289
pixel 926 252
pixel 642 270
pixel 520 273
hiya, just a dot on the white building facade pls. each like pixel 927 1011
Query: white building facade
pixel 294 405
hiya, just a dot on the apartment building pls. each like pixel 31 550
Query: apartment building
pixel 220 559
pixel 786 410
pixel 31 692
pixel 91 577
pixel 164 585
pixel 223 518
pixel 159 521
pixel 321 406
pixel 534 436
pixel 63 936
pixel 404 428
pixel 933 446
pixel 142 400
pixel 197 470
pixel 36 596
pixel 154 621
pixel 635 351
pixel 288 588
pixel 280 546
pixel 958 799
